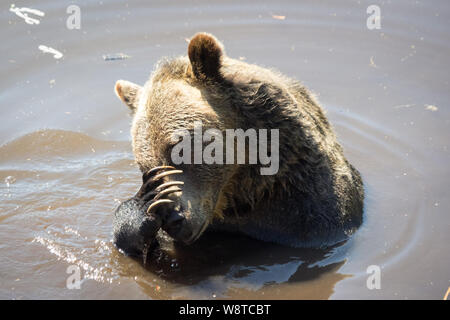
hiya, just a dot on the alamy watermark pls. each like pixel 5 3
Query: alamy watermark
pixel 236 150
pixel 374 20
pixel 73 281
pixel 74 19
pixel 374 280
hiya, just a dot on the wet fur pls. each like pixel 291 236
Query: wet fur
pixel 315 199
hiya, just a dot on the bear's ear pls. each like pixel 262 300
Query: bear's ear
pixel 205 53
pixel 128 93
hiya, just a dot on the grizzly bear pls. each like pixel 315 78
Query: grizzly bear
pixel 315 198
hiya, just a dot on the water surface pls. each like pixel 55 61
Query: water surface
pixel 66 160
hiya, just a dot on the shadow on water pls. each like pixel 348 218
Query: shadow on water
pixel 222 262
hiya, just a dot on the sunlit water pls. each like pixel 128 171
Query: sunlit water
pixel 66 161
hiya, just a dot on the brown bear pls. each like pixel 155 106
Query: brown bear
pixel 314 199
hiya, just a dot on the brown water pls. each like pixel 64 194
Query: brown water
pixel 66 161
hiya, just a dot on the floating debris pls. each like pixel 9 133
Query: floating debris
pixel 447 294
pixel 117 56
pixel 23 13
pixel 372 63
pixel 431 108
pixel 56 53
pixel 404 106
pixel 278 17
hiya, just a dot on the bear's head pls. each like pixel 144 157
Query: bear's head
pixel 221 93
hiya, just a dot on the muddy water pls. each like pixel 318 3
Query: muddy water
pixel 66 161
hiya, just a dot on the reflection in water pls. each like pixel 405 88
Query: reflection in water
pixel 224 265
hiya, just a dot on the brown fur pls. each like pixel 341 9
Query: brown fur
pixel 205 55
pixel 315 199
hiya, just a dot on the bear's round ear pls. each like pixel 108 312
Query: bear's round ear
pixel 127 92
pixel 205 53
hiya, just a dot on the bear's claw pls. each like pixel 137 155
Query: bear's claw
pixel 166 173
pixel 155 169
pixel 152 185
pixel 157 203
pixel 153 192
pixel 169 184
pixel 166 192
